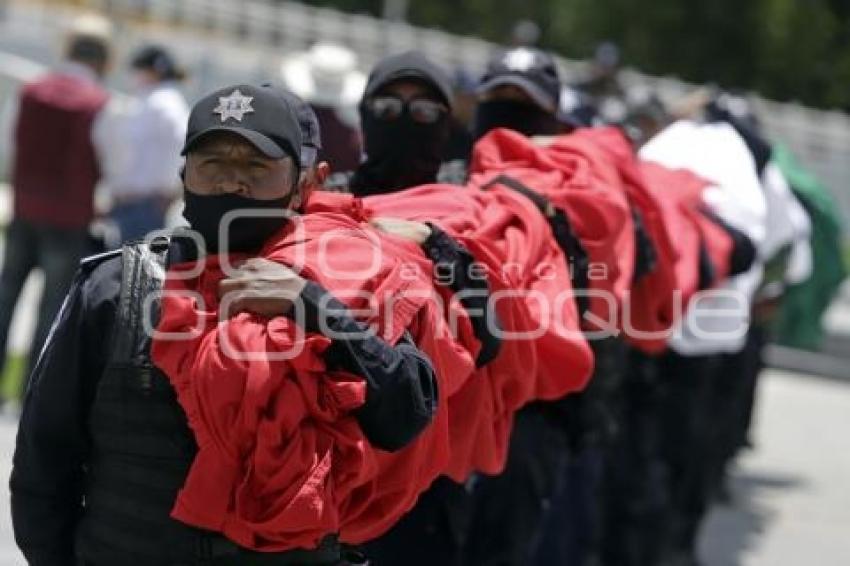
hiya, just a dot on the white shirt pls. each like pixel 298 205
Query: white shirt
pixel 146 138
pixel 717 320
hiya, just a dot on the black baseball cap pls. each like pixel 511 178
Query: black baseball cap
pixel 411 65
pixel 156 58
pixel 258 114
pixel 311 133
pixel 532 70
pixel 576 109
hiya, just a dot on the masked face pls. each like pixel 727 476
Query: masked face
pixel 523 117
pixel 208 216
pixel 405 129
pixel 228 175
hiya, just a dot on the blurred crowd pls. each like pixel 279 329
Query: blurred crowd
pixel 620 473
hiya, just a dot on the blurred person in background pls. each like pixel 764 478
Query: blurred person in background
pixel 787 257
pixel 525 33
pixel 150 136
pixel 799 322
pixel 55 166
pixel 577 110
pixel 405 116
pixel 696 402
pixel 521 91
pixel 327 78
pixel 459 145
pixel 603 85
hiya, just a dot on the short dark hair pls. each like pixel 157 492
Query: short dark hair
pixel 89 50
pixel 159 60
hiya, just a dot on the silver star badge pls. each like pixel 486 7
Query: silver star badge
pixel 234 106
pixel 519 59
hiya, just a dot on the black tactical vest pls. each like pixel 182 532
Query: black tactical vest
pixel 142 448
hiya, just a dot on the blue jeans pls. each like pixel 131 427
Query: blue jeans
pixel 137 218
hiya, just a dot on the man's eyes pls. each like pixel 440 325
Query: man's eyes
pixel 254 165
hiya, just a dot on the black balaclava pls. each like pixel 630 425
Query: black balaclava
pixel 523 117
pixel 401 153
pixel 245 233
pixel 535 73
pixel 268 120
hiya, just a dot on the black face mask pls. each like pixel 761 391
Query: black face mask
pixel 400 153
pixel 245 234
pixel 527 119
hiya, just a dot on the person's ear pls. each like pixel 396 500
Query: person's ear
pixel 321 174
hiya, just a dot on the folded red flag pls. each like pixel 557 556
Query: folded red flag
pixel 281 461
pixel 544 355
pixel 683 190
pixel 578 176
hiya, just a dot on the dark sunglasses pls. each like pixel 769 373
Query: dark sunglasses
pixel 421 110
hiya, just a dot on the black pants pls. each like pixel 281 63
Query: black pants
pixel 328 553
pixel 571 528
pixel 264 561
pixel 634 488
pixel 431 534
pixel 57 253
pixel 733 399
pixel 686 425
pixel 510 509
pixel 592 421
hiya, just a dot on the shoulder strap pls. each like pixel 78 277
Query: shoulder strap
pixel 541 202
pixel 562 231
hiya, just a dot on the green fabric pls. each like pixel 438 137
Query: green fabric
pixel 799 322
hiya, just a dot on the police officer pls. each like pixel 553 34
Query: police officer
pixel 55 127
pixel 103 447
pixel 520 90
pixel 406 122
pixel 546 508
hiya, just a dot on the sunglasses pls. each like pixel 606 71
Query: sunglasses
pixel 421 110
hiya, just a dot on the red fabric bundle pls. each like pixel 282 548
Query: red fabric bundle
pixel 652 308
pixel 543 355
pixel 681 191
pixel 481 412
pixel 282 462
pixel 578 176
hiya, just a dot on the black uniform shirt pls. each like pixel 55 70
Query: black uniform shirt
pixel 53 439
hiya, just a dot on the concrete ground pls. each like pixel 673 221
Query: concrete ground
pixel 791 494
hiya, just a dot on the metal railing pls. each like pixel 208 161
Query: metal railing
pixel 226 40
